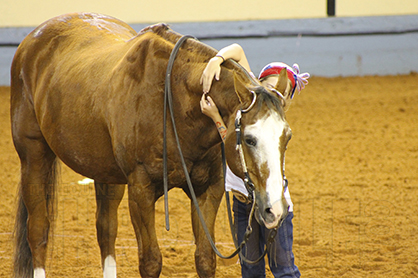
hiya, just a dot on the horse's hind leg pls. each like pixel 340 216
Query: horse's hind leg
pixel 108 198
pixel 36 192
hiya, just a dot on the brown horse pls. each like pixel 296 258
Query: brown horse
pixel 87 89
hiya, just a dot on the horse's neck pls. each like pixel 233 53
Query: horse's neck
pixel 188 67
pixel 222 91
pixel 224 94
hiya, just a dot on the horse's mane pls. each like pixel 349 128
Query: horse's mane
pixel 165 32
pixel 202 51
pixel 273 102
pixel 205 52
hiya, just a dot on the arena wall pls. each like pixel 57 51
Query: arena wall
pixel 32 13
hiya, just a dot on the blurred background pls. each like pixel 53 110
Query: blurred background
pixel 325 37
pixel 353 161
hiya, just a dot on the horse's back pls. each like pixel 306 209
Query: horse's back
pixel 81 27
pixel 67 33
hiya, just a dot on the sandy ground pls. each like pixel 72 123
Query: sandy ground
pixel 352 166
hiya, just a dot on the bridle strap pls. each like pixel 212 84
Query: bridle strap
pixel 249 185
pixel 247 180
pixel 252 103
pixel 279 94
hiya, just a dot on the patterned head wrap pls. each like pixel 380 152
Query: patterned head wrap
pixel 297 79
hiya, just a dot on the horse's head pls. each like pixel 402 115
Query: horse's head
pixel 259 153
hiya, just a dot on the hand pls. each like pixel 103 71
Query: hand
pixel 212 70
pixel 208 107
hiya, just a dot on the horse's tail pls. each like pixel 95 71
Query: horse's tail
pixel 22 255
pixel 23 266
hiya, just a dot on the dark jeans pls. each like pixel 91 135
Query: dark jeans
pixel 280 255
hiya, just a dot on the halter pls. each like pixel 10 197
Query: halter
pixel 279 94
pixel 249 185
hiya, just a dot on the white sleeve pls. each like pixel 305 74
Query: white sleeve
pixel 234 182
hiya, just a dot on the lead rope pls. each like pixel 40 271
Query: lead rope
pixel 227 199
pixel 168 100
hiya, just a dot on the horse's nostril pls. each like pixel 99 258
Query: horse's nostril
pixel 268 215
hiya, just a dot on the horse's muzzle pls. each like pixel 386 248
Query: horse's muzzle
pixel 272 216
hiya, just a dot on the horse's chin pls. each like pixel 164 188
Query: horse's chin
pixel 273 224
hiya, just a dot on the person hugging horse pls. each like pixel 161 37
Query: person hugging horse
pixel 280 256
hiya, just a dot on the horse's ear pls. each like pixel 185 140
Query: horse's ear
pixel 241 88
pixel 282 84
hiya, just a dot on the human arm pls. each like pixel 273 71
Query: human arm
pixel 213 68
pixel 209 108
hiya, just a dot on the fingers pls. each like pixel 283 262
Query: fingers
pixel 204 106
pixel 203 102
pixel 208 106
pixel 211 102
pixel 212 71
pixel 217 74
pixel 207 83
pixel 206 80
pixel 206 103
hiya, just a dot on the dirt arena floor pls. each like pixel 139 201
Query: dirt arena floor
pixel 352 166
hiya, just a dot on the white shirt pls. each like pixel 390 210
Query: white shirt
pixel 236 183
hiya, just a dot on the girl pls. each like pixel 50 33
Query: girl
pixel 280 257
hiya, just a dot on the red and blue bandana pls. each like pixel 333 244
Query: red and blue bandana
pixel 297 79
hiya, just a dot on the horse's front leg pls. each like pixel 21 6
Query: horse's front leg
pixel 142 210
pixel 205 258
pixel 108 198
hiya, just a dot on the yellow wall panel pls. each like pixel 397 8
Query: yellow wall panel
pixel 33 12
pixel 16 13
pixel 376 7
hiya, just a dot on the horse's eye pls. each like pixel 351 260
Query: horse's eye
pixel 251 141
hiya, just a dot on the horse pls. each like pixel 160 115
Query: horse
pixel 88 90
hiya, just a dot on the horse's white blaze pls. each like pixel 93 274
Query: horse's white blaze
pixel 109 268
pixel 39 273
pixel 268 132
